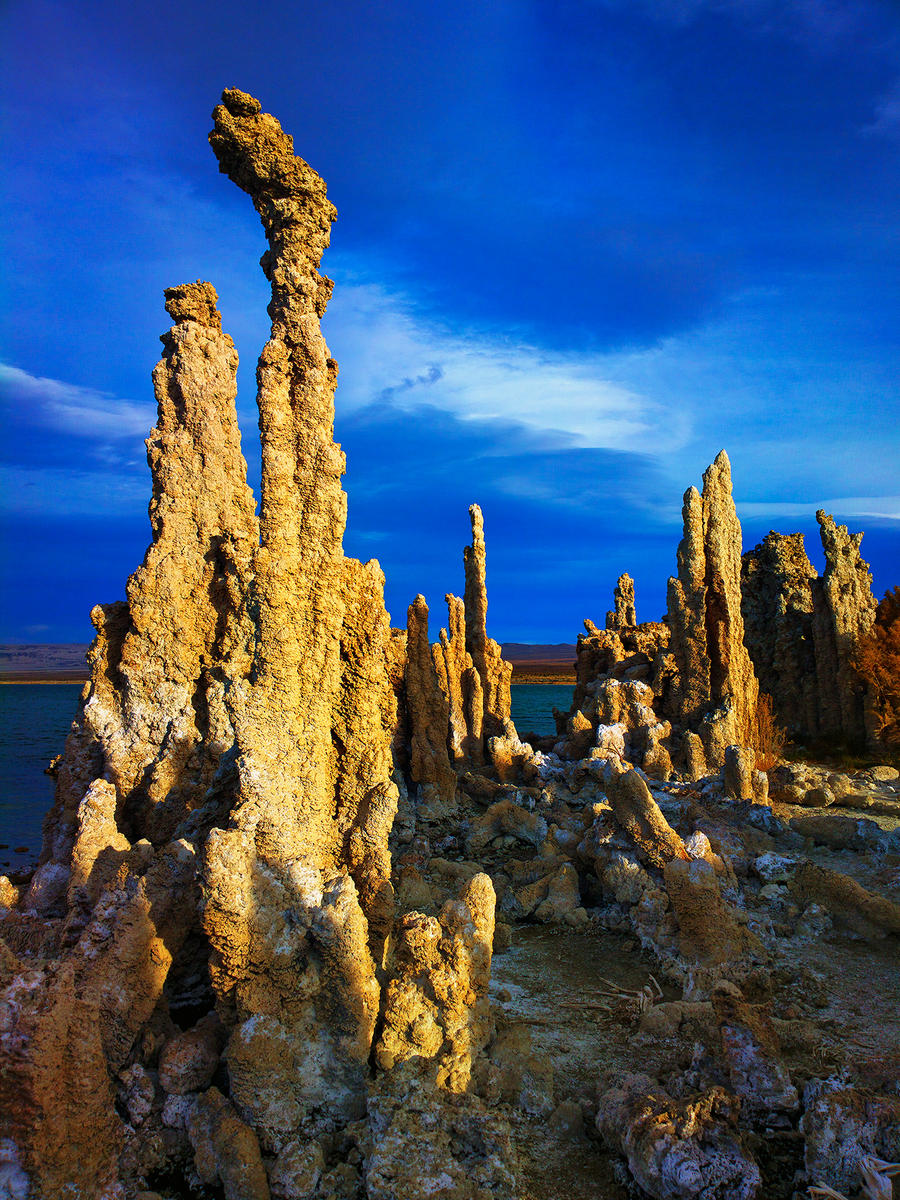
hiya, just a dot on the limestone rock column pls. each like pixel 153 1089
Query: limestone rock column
pixel 306 840
pixel 843 612
pixel 717 688
pixel 429 715
pixel 777 582
pixel 153 718
pixel 495 673
pixel 624 615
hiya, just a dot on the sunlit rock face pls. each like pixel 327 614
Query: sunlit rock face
pixel 457 692
pixel 717 687
pixel 696 673
pixel 495 674
pixel 218 849
pixel 153 719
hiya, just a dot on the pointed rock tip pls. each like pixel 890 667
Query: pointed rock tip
pixel 691 497
pixel 240 104
pixel 194 302
pixel 719 469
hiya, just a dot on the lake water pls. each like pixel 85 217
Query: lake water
pixel 35 720
pixel 34 724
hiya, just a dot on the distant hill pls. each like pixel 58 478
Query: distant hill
pixel 46 662
pixel 21 663
pixel 524 652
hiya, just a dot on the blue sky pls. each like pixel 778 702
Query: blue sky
pixel 581 246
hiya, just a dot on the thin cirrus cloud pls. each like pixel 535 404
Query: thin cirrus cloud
pixel 70 409
pixel 886 122
pixel 387 353
pixel 815 21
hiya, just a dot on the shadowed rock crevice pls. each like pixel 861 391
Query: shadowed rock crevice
pixel 804 632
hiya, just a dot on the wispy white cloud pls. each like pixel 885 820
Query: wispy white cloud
pixel 887 115
pixel 388 354
pixel 843 508
pixel 818 25
pixel 44 491
pixel 68 408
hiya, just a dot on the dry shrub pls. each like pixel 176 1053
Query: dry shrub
pixel 766 736
pixel 878 664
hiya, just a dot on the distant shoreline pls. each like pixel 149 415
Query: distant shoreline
pixel 43 679
pixel 65 664
pixel 543 673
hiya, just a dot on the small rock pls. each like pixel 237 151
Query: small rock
pixel 819 797
pixel 567 1121
pixel 503 936
pixel 296 1172
pixel 188 1061
pixel 774 868
pixel 882 774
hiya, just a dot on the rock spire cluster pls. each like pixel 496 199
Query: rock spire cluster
pixel 458 690
pixel 684 689
pixel 803 632
pixel 288 840
pixel 218 847
pixel 716 687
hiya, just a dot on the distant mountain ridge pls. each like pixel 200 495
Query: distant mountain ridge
pixel 525 652
pixel 47 661
pixel 21 663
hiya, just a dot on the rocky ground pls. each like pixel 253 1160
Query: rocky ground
pixel 803 1026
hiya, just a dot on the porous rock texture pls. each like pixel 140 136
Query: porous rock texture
pixel 428 708
pixel 624 615
pixel 843 611
pixel 803 632
pixel 433 1013
pixel 777 604
pixel 306 838
pixel 218 847
pixel 494 672
pixel 716 688
pixel 679 1148
pixel 211 986
pixel 457 693
pixel 153 720
pixel 614 701
pixel 698 682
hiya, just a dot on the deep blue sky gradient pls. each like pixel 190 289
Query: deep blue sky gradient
pixel 581 246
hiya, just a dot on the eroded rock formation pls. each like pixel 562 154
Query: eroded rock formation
pixel 716 688
pixel 153 720
pixel 777 603
pixel 694 669
pixel 220 835
pixel 495 674
pixel 624 615
pixel 428 706
pixel 843 611
pixel 221 981
pixel 458 692
pixel 803 632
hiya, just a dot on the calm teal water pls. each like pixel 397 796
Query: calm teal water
pixel 35 720
pixel 34 724
pixel 533 704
